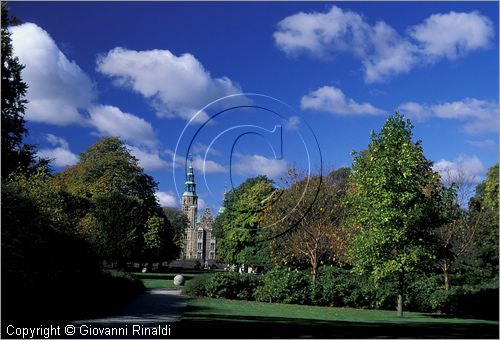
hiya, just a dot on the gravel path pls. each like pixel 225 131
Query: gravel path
pixel 154 306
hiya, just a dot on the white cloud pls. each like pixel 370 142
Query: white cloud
pixel 467 169
pixel 207 166
pixel 166 198
pixel 390 54
pixel 178 86
pixel 111 121
pixel 57 141
pixel 61 155
pixel 331 99
pixel 292 123
pixel 322 33
pixel 479 116
pixel 201 204
pixel 58 88
pixel 415 110
pixel 453 35
pixel 200 148
pixel 483 144
pixel 252 165
pixel 149 160
pixel 382 51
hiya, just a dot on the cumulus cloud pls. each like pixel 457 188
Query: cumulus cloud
pixel 61 156
pixel 464 169
pixel 453 35
pixel 479 116
pixel 331 99
pixel 207 166
pixel 292 123
pixel 322 33
pixel 252 165
pixel 198 154
pixel 389 54
pixel 58 88
pixel 487 144
pixel 178 86
pixel 111 121
pixel 382 51
pixel 166 198
pixel 150 160
pixel 200 148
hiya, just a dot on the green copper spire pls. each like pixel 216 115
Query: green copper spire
pixel 190 185
pixel 224 202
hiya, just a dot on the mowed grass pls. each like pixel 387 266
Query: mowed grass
pixel 163 280
pixel 220 318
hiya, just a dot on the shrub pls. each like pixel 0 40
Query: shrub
pixel 227 285
pixel 478 301
pixel 331 287
pixel 423 292
pixel 341 287
pixel 285 286
pixel 196 286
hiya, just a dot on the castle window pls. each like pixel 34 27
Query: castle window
pixel 200 235
pixel 199 246
pixel 211 256
pixel 212 246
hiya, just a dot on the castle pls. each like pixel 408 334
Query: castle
pixel 199 241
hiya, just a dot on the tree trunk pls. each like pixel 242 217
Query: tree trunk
pixel 446 276
pixel 314 270
pixel 401 293
pixel 400 304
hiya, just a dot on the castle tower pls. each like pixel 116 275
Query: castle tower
pixel 190 208
pixel 224 200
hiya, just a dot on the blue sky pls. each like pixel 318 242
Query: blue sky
pixel 327 74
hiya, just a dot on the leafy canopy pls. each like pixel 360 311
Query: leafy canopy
pixel 238 229
pixel 394 200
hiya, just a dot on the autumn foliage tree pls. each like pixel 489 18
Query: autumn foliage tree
pixel 305 221
pixel 394 202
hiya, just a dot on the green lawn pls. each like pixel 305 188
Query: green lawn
pixel 163 280
pixel 219 318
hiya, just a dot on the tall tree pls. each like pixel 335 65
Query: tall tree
pixel 237 229
pixel 394 201
pixel 15 152
pixel 179 222
pixel 481 263
pixel 309 221
pixel 159 241
pixel 122 202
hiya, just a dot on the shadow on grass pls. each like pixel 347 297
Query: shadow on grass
pixel 205 324
pixel 162 276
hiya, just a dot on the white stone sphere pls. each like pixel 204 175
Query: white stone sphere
pixel 178 280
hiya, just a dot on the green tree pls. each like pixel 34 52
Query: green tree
pixel 15 152
pixel 121 200
pixel 237 229
pixel 394 201
pixel 481 262
pixel 108 166
pixel 159 242
pixel 40 253
pixel 179 222
pixel 118 230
